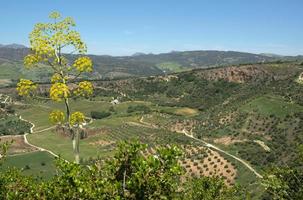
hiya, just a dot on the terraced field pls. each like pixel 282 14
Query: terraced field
pixel 161 126
pixel 272 105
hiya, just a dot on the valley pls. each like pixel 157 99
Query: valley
pixel 235 130
pixel 151 100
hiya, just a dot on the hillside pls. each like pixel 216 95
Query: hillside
pixel 11 63
pixel 250 110
pixel 234 122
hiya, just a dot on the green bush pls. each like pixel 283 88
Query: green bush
pixel 12 125
pixel 128 175
pixel 99 115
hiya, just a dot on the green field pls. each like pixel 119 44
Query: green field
pixel 116 126
pixel 34 163
pixel 171 67
pixel 272 105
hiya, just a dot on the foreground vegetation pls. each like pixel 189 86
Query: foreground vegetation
pixel 226 133
pixel 128 175
pixel 245 119
pixel 131 174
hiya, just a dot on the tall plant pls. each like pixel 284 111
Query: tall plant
pixel 52 44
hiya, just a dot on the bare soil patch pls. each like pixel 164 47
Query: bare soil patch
pixel 227 140
pixel 18 146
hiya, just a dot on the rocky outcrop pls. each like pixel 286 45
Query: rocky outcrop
pixel 250 73
pixel 237 74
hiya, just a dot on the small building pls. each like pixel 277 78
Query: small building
pixel 115 102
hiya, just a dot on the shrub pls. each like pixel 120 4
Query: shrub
pixel 125 176
pixel 27 167
pixel 99 115
pixel 138 108
pixel 111 109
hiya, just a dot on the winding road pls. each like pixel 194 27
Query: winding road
pixel 206 144
pixel 32 131
pixel 141 122
pixel 226 153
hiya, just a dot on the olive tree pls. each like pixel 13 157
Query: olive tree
pixel 52 44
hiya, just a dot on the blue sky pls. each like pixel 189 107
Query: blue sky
pixel 123 27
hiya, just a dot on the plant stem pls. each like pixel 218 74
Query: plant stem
pixel 76 138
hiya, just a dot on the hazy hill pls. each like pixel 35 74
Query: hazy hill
pixel 140 64
pixel 201 59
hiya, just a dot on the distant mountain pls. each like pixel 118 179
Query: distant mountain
pixel 138 54
pixel 271 55
pixel 13 46
pixel 200 59
pixel 11 53
pixel 141 64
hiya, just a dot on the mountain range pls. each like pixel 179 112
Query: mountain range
pixel 139 64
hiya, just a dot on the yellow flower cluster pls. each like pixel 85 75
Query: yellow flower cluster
pixel 77 118
pixel 54 15
pixel 59 91
pixel 25 87
pixel 85 89
pixel 83 64
pixel 42 48
pixel 74 38
pixel 56 117
pixel 31 60
pixel 56 78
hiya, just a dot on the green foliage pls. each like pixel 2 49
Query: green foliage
pixel 152 177
pixel 3 149
pixel 284 184
pixel 272 105
pixel 211 188
pixel 129 175
pixel 12 125
pixel 99 115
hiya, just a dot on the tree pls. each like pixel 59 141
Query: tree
pixel 139 176
pixel 211 188
pixel 48 41
pixel 285 183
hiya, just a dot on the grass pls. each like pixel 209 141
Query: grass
pixel 171 66
pixel 39 163
pixel 116 126
pixel 38 112
pixel 5 82
pixel 180 111
pixel 9 70
pixel 272 105
pixel 62 146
